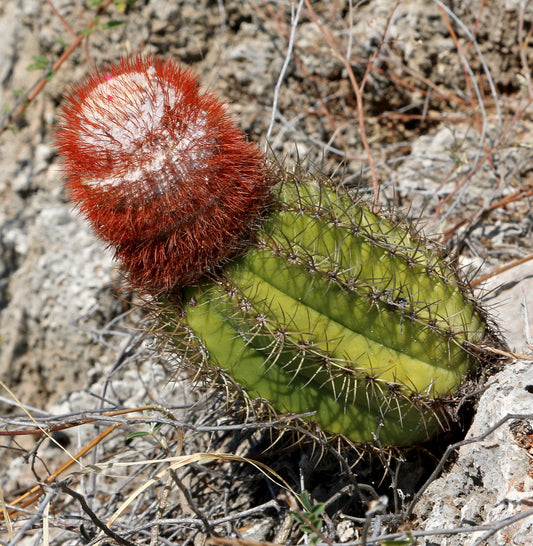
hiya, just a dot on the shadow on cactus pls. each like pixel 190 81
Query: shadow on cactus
pixel 295 290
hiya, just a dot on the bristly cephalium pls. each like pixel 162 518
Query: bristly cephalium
pixel 160 170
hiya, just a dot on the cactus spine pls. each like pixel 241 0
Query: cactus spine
pixel 322 307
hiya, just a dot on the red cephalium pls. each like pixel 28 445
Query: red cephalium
pixel 160 170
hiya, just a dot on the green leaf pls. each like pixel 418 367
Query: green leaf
pixel 40 63
pixel 139 434
pixel 306 501
pixel 112 24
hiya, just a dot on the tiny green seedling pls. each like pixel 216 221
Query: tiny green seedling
pixel 310 518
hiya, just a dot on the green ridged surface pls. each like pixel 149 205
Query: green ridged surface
pixel 340 312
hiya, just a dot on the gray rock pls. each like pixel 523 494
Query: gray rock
pixel 510 295
pixel 63 271
pixel 492 479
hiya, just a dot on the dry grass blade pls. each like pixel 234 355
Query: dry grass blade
pixel 5 513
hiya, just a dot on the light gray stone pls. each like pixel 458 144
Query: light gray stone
pixel 493 478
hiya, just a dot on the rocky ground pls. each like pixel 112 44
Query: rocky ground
pixel 447 106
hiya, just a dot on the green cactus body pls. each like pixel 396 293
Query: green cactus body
pixel 341 312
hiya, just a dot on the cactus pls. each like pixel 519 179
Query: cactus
pixel 321 305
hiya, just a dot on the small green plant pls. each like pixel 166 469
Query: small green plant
pixel 309 518
pixel 39 63
pixel 151 430
pixel 42 63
